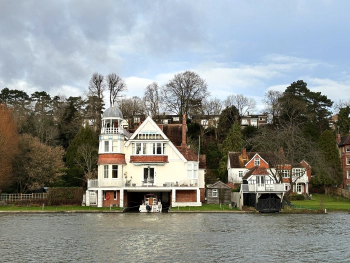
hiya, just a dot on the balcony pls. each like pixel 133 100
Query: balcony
pixel 268 188
pixel 150 183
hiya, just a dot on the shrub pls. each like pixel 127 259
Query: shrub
pixel 296 197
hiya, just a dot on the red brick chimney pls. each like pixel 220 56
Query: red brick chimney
pixel 244 153
pixel 184 128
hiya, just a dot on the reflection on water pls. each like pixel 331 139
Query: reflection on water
pixel 172 237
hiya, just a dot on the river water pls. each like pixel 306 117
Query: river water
pixel 174 237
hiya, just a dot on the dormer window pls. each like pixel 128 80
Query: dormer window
pixel 256 161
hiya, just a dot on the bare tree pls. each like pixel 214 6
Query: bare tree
pixel 212 106
pixel 242 103
pixel 341 104
pixel 132 106
pixel 272 106
pixel 115 85
pixel 285 148
pixel 185 93
pixel 95 99
pixel 151 99
pixel 87 159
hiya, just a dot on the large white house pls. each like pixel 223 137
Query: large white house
pixel 145 162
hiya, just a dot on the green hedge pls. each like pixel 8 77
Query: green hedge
pixel 65 196
pixel 292 197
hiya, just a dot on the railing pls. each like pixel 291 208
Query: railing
pixel 263 188
pixel 112 130
pixel 95 183
pixel 20 197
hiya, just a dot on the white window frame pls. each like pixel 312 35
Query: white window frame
pixel 348 174
pixel 214 193
pixel 115 195
pixel 105 171
pixel 106 145
pixel 256 161
pixel 297 172
pixel 285 173
pixel 240 174
pixel 113 170
pixel 348 161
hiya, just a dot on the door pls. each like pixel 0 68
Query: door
pixel 260 182
pixel 149 175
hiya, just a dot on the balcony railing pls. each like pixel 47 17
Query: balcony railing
pixel 121 183
pixel 245 188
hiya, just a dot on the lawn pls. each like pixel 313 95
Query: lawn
pixel 56 208
pixel 321 202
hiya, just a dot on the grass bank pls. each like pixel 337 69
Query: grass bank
pixel 321 202
pixel 15 208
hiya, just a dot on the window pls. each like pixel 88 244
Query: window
pixel 104 195
pixel 138 148
pixel 106 146
pixel 176 119
pixel 105 173
pixel 297 172
pixel 114 171
pixel 348 174
pixel 257 162
pixel 192 170
pixel 115 195
pixel 165 121
pixel 136 119
pixel 347 161
pixel 285 174
pixel 240 173
pixel 347 149
pixel 214 193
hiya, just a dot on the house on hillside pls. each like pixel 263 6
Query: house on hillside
pixel 259 187
pixel 218 193
pixel 239 163
pixel 344 152
pixel 145 162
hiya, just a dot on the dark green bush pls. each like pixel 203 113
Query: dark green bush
pixel 292 197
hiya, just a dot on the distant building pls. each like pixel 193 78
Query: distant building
pixel 344 152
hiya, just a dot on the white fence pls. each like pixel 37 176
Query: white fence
pixel 21 197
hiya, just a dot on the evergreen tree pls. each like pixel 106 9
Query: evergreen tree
pixel 233 142
pixel 344 120
pixel 75 172
pixel 330 173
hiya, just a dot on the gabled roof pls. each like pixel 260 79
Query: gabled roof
pixel 344 140
pixel 237 160
pixel 252 159
pixel 257 170
pixel 218 184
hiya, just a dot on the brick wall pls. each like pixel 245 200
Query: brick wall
pixel 186 196
pixel 111 200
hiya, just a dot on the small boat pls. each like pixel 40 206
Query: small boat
pixel 151 204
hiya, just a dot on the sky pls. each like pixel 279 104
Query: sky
pixel 237 46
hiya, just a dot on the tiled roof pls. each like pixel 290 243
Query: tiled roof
pixel 237 160
pixel 191 156
pixel 345 140
pixel 256 171
pixel 173 132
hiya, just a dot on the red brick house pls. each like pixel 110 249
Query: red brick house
pixel 344 152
